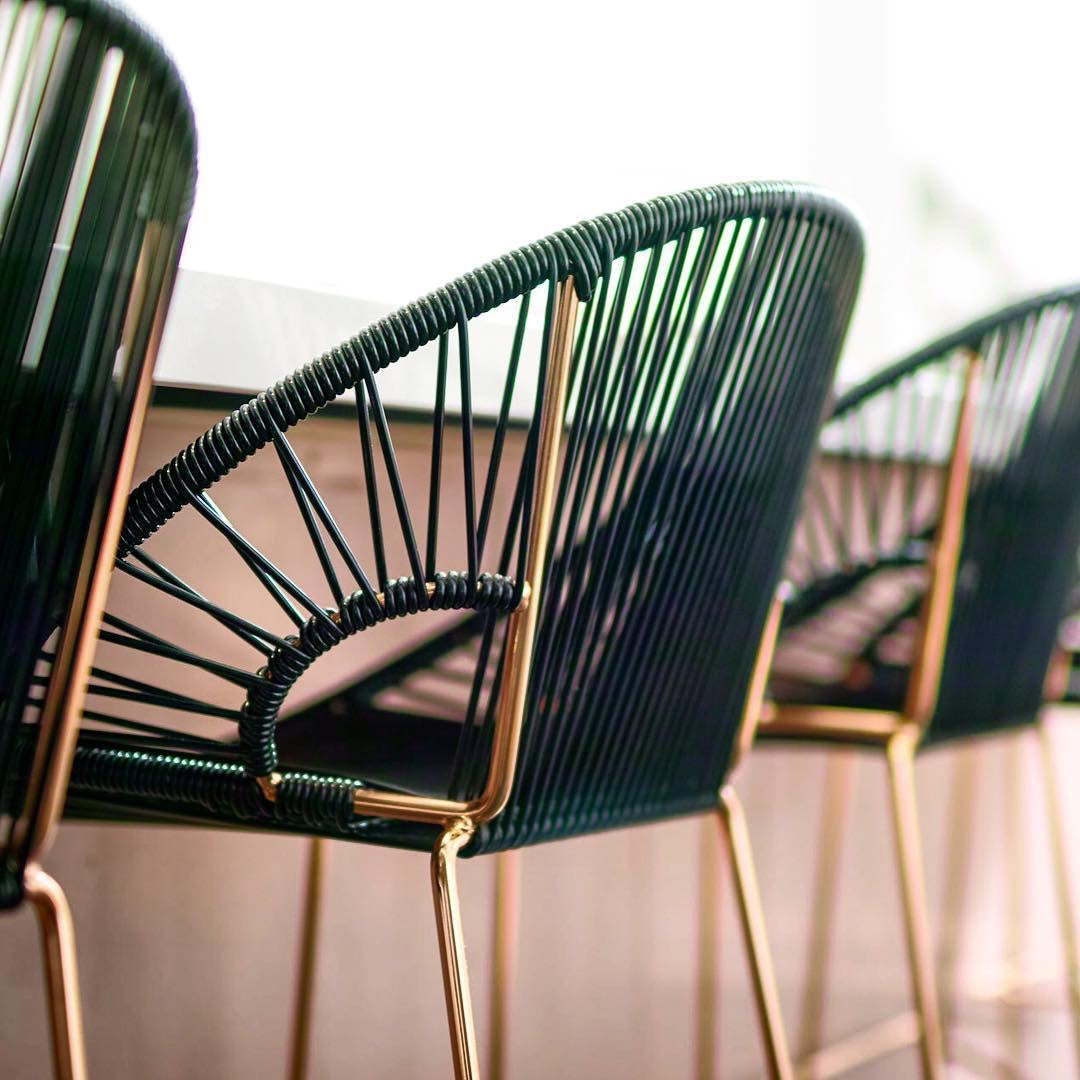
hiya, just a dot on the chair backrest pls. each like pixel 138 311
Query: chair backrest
pixel 703 349
pixel 695 407
pixel 1022 523
pixel 874 505
pixel 97 168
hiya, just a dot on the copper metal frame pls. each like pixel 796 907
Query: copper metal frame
pixel 521 629
pixel 62 705
pixel 504 941
pixel 961 823
pixel 897 734
pixel 839 784
pixel 459 820
pixel 509 715
pixel 1062 880
pixel 736 841
pixel 300 1044
pixel 751 917
pixel 61 974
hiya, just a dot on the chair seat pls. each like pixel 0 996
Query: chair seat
pixel 412 753
pixel 879 687
pixel 854 649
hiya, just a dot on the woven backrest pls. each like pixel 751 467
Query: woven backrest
pixel 1022 526
pixel 97 159
pixel 874 503
pixel 694 408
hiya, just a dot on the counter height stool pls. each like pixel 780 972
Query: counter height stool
pixel 660 373
pixel 97 171
pixel 931 570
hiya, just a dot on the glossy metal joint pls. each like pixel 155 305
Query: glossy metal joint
pixel 61 974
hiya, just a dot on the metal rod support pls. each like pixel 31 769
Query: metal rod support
pixel 504 954
pixel 900 754
pixel 300 1051
pixel 451 933
pixel 61 974
pixel 752 917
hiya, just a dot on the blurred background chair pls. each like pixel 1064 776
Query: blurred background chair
pixel 686 346
pixel 96 180
pixel 931 570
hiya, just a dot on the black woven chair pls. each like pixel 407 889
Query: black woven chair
pixel 931 568
pixel 617 579
pixel 96 179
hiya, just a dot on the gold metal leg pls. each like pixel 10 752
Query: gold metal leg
pixel 504 948
pixel 900 753
pixel 708 988
pixel 61 974
pixel 452 949
pixel 1010 1022
pixel 733 830
pixel 305 984
pixel 1062 878
pixel 839 780
pixel 961 825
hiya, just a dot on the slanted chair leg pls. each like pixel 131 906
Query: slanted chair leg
pixel 900 753
pixel 708 975
pixel 737 839
pixel 459 1011
pixel 504 950
pixel 961 825
pixel 300 1052
pixel 839 780
pixel 61 974
pixel 1062 878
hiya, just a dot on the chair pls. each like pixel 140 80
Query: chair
pixel 655 377
pixel 930 572
pixel 97 173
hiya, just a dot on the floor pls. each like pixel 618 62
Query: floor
pixel 188 940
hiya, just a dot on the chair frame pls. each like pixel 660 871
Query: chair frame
pixel 898 736
pixel 521 631
pixel 459 820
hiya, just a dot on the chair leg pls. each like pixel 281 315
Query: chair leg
pixel 839 779
pixel 961 825
pixel 708 975
pixel 1063 882
pixel 900 753
pixel 300 1051
pixel 504 949
pixel 733 829
pixel 452 950
pixel 61 974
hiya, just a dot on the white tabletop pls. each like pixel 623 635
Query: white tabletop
pixel 236 334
